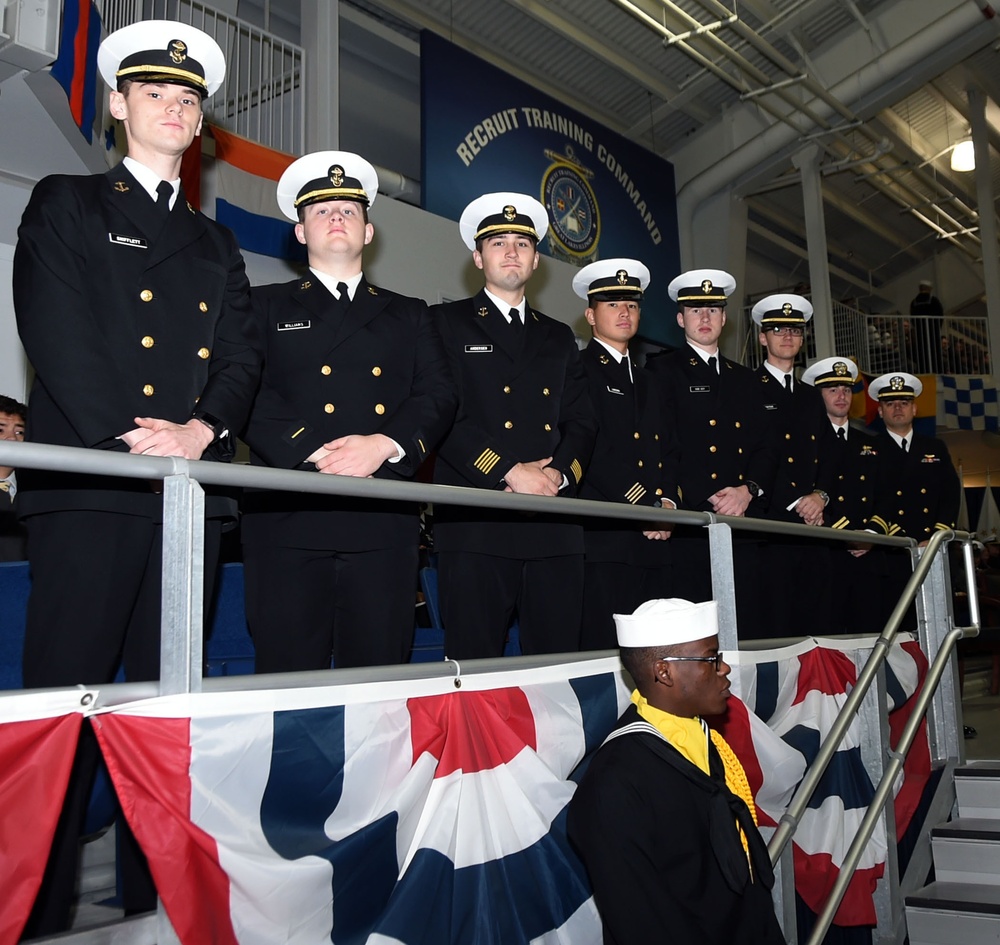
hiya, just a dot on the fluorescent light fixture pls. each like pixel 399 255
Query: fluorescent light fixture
pixel 963 157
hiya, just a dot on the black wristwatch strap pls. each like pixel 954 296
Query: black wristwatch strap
pixel 213 423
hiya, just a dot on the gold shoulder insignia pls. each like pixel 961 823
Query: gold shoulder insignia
pixel 192 209
pixel 372 290
pixel 483 312
pixel 694 362
pixel 121 186
pixel 604 359
pixel 305 285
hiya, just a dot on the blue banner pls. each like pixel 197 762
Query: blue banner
pixel 485 131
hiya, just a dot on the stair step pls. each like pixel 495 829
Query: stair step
pixel 967 850
pixel 977 787
pixel 944 913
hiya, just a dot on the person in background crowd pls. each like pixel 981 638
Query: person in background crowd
pixel 12 533
pixel 525 425
pixel 927 309
pixel 355 383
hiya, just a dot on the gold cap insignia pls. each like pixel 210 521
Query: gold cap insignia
pixel 336 175
pixel 706 286
pixel 509 212
pixel 840 369
pixel 896 383
pixel 178 50
pixel 483 312
pixel 121 186
pixel 786 309
pixel 622 277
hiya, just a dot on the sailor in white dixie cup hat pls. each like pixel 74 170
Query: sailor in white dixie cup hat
pixel 525 426
pixel 635 455
pixel 665 798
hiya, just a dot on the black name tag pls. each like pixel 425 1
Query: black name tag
pixel 478 349
pixel 700 389
pixel 120 239
pixel 293 326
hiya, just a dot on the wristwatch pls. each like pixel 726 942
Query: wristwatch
pixel 755 490
pixel 823 495
pixel 214 424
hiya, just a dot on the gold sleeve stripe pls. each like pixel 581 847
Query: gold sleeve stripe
pixel 576 469
pixel 635 493
pixel 486 460
pixel 841 522
pixel 893 529
pixel 420 443
pixel 879 522
pixel 297 432
pixel 941 527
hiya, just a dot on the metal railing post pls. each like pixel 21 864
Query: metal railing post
pixel 944 720
pixel 183 587
pixel 720 545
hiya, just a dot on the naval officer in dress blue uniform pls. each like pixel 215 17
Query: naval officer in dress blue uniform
pixel 794 421
pixel 712 404
pixel 134 311
pixel 524 424
pixel 848 471
pixel 634 459
pixel 355 383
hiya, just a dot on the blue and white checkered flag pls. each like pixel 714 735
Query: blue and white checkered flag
pixel 968 403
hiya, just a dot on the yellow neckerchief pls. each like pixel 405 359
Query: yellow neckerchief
pixel 689 737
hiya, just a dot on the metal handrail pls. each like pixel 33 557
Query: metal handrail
pixel 135 466
pixel 883 793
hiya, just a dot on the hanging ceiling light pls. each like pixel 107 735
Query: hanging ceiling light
pixel 963 157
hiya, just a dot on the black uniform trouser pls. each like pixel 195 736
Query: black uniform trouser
pixel 798 594
pixel 857 591
pixel 95 601
pixel 693 576
pixel 480 593
pixel 306 605
pixel 611 587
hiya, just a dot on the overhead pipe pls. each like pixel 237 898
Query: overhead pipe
pixel 958 27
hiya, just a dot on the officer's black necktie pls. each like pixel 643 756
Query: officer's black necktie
pixel 713 364
pixel 902 445
pixel 515 322
pixel 343 296
pixel 164 192
pixel 842 435
pixel 788 383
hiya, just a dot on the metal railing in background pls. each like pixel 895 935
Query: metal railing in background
pixel 181 625
pixel 263 95
pixel 882 343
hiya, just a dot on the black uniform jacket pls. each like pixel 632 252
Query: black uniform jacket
pixel 662 850
pixel 521 398
pixel 718 423
pixel 375 367
pixel 918 491
pixel 634 460
pixel 794 424
pixel 848 473
pixel 123 315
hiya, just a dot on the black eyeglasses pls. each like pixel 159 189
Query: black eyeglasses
pixel 796 330
pixel 717 659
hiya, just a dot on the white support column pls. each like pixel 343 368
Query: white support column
pixel 718 240
pixel 807 161
pixel 987 217
pixel 321 41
